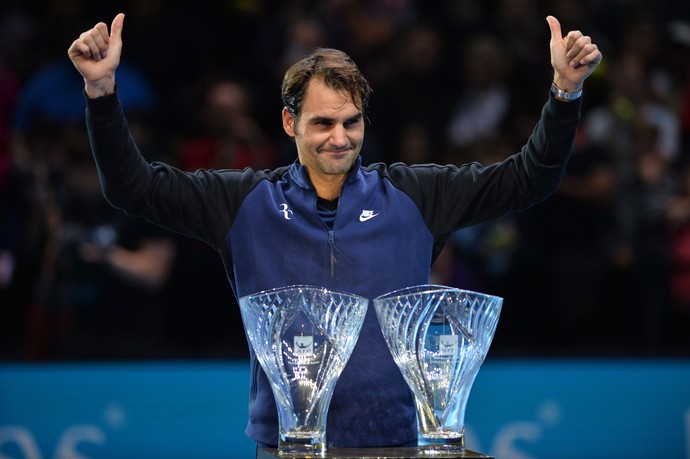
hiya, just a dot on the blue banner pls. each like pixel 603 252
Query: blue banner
pixel 518 408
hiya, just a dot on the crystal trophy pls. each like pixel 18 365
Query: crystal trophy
pixel 439 337
pixel 302 336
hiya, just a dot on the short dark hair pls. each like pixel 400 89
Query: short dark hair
pixel 335 68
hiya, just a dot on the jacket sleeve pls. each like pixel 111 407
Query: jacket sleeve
pixel 454 196
pixel 184 202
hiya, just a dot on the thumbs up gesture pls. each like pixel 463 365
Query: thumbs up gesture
pixel 573 57
pixel 96 55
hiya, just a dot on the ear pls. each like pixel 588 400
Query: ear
pixel 288 123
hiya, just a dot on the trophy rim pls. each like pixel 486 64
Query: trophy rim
pixel 428 288
pixel 306 287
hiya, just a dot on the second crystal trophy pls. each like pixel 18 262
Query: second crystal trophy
pixel 302 336
pixel 439 336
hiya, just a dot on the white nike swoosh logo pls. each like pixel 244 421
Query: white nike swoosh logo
pixel 367 215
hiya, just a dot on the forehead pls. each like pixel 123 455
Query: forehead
pixel 322 100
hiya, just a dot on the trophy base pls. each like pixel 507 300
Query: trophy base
pixel 372 453
pixel 301 447
pixel 442 446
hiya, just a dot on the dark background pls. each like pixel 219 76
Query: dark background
pixel 602 267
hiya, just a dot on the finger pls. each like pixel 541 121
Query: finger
pixel 594 57
pixel 571 42
pixel 100 38
pixel 555 26
pixel 590 54
pixel 94 41
pixel 79 48
pixel 116 28
pixel 101 29
pixel 577 54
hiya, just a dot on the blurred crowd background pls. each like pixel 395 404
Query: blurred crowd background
pixel 603 267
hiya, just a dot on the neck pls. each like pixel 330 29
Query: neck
pixel 329 186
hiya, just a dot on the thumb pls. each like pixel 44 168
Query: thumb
pixel 555 27
pixel 116 28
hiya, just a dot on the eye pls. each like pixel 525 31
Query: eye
pixel 352 122
pixel 323 122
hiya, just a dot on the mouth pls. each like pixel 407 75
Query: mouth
pixel 337 151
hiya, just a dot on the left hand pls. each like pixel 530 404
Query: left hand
pixel 573 57
pixel 96 55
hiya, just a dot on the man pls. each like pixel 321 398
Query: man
pixel 326 220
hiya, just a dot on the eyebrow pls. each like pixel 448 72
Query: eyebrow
pixel 320 119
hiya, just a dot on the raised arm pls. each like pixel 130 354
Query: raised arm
pixel 96 56
pixel 159 192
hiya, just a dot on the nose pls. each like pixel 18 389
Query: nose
pixel 339 136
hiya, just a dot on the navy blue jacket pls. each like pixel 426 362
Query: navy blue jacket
pixel 390 225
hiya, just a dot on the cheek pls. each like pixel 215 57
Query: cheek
pixel 314 139
pixel 357 136
pixel 307 143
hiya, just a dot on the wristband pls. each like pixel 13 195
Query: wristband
pixel 564 96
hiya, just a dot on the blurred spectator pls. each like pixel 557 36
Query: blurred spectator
pixel 366 28
pixel 484 101
pixel 677 61
pixel 230 137
pixel 14 31
pixel 568 244
pixel 199 316
pixel 644 198
pixel 212 35
pixel 53 95
pixel 22 243
pixel 631 98
pixel 641 133
pixel 93 280
pixel 280 39
pixel 518 28
pixel 286 35
pixel 303 35
pixel 678 322
pixel 101 273
pixel 410 110
pixel 104 298
pixel 601 233
pixel 21 224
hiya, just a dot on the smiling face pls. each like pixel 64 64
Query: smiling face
pixel 328 133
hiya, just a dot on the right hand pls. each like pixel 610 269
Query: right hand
pixel 96 55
